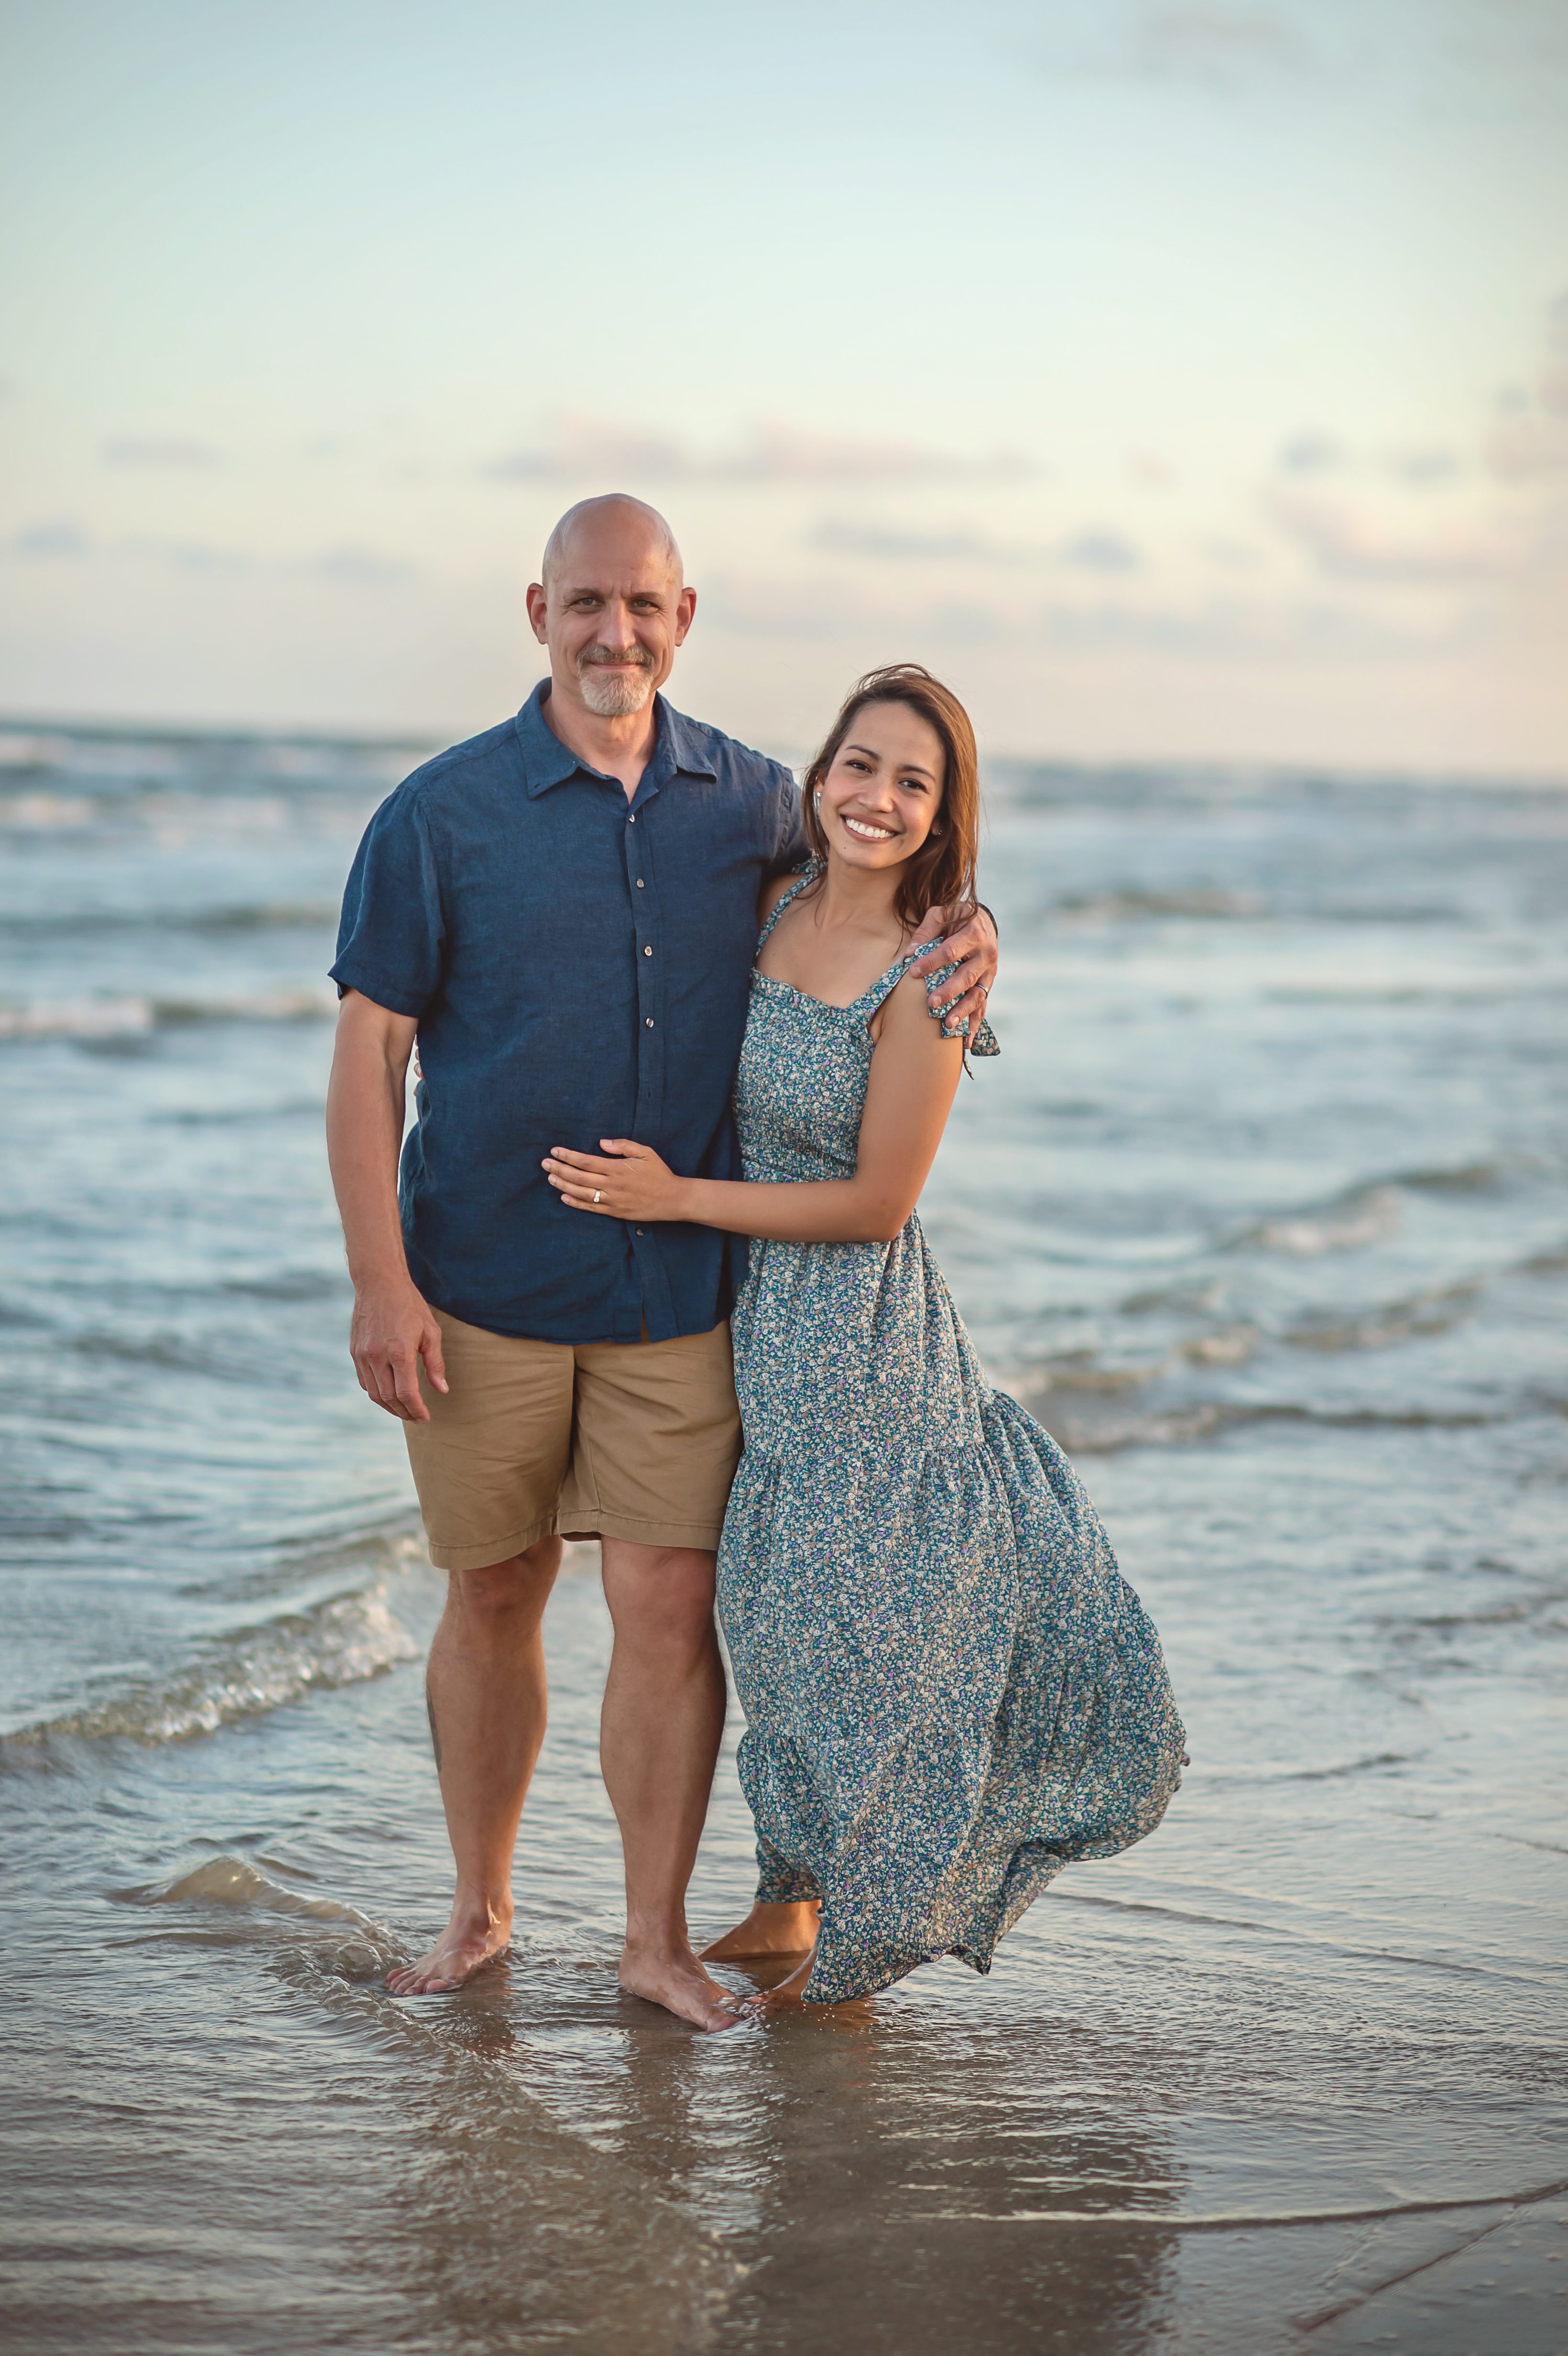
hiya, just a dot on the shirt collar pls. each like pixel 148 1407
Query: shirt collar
pixel 678 750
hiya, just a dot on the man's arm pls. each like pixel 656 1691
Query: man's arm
pixel 393 1327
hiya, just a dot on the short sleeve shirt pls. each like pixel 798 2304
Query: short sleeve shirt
pixel 578 967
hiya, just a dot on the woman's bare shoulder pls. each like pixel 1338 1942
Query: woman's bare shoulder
pixel 905 1016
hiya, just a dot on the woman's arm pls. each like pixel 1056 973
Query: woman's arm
pixel 914 1076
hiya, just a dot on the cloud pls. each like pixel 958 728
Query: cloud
pixel 49 541
pixel 156 450
pixel 885 544
pixel 1101 552
pixel 1212 47
pixel 1522 448
pixel 1530 436
pixel 1247 627
pixel 358 568
pixel 350 566
pixel 189 555
pixel 1311 453
pixel 579 447
pixel 1419 468
pixel 1351 544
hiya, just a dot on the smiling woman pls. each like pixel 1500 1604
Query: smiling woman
pixel 950 1692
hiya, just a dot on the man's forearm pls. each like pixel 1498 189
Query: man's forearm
pixel 364 1136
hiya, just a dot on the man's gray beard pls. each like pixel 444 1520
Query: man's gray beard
pixel 610 695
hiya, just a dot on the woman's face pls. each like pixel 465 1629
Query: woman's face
pixel 882 795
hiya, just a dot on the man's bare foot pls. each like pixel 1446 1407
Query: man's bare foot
pixel 778 1930
pixel 674 1978
pixel 784 1992
pixel 469 1941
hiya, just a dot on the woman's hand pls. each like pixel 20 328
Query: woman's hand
pixel 637 1186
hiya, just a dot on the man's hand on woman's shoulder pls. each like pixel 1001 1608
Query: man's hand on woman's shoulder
pixel 971 946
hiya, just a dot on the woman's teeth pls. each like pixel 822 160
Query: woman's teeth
pixel 868 833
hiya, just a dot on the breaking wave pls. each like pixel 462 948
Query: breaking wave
pixel 132 1017
pixel 341 1641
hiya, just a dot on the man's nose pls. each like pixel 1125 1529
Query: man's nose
pixel 617 623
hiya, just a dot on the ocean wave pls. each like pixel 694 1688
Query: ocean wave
pixel 1368 1216
pixel 341 1641
pixel 217 921
pixel 241 1902
pixel 235 1882
pixel 1422 1316
pixel 41 811
pixel 136 1017
pixel 1104 907
pixel 1466 1177
pixel 1173 1426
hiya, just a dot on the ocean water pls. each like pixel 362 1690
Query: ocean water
pixel 1263 1210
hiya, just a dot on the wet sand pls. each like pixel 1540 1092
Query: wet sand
pixel 1212 2097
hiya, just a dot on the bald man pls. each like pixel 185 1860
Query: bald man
pixel 558 1376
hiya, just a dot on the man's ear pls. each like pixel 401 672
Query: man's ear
pixel 539 610
pixel 685 607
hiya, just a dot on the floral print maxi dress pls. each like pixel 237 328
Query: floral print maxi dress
pixel 950 1692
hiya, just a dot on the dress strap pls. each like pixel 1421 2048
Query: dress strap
pixel 809 874
pixel 983 1042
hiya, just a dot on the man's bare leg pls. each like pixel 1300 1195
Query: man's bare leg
pixel 485 1692
pixel 660 1732
pixel 787 1928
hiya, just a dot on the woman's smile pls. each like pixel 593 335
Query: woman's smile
pixel 868 830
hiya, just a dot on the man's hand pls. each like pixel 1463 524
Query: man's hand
pixel 639 1186
pixel 392 1330
pixel 960 1003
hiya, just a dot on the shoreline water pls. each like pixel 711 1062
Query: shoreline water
pixel 1264 1211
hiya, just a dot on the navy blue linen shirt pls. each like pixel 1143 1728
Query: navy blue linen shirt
pixel 578 967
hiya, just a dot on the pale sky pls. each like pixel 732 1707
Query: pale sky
pixel 1179 381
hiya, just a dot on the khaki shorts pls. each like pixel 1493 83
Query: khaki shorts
pixel 624 1440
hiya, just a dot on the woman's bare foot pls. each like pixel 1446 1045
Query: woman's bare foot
pixel 780 1930
pixel 673 1978
pixel 784 1992
pixel 469 1941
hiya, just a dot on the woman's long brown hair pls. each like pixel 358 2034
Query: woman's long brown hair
pixel 942 872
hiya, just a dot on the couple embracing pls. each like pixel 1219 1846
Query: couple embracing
pixel 651 1273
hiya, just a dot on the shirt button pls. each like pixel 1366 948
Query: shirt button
pixel 632 818
pixel 639 883
pixel 650 1020
pixel 637 1231
pixel 647 952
